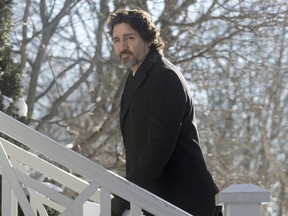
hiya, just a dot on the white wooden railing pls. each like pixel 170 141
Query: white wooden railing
pixel 92 184
pixel 89 180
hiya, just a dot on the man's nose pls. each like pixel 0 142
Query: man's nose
pixel 123 45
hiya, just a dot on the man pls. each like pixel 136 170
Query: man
pixel 157 120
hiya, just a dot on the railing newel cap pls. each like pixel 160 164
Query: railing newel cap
pixel 243 193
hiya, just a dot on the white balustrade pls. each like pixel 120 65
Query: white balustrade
pixel 92 183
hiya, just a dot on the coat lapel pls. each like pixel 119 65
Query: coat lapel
pixel 133 83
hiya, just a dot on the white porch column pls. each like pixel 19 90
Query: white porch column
pixel 242 199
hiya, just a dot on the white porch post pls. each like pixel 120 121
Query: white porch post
pixel 242 199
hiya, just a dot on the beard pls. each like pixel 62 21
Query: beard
pixel 126 63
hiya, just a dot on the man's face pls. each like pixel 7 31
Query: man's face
pixel 129 46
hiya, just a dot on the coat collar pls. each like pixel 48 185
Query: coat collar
pixel 133 82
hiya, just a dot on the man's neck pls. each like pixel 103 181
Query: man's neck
pixel 135 67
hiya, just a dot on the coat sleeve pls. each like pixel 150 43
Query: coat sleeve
pixel 167 102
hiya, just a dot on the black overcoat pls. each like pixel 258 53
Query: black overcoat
pixel 160 137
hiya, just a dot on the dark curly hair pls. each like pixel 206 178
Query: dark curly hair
pixel 139 20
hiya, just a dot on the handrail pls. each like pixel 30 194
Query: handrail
pixel 94 175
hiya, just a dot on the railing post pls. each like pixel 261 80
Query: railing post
pixel 91 209
pixel 242 199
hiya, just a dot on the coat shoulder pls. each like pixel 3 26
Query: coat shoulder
pixel 165 69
